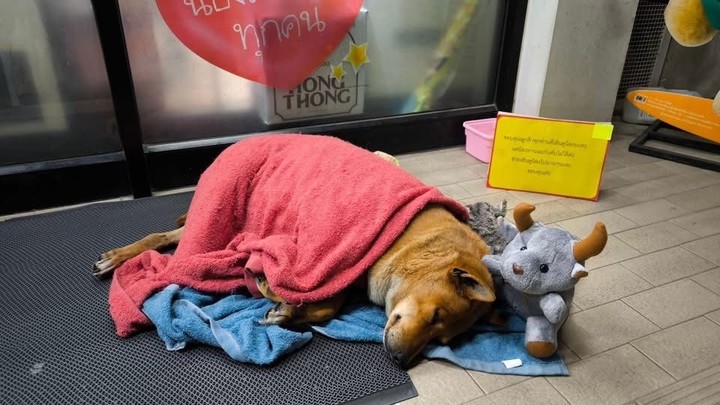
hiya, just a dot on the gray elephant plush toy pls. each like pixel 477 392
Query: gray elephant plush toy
pixel 539 268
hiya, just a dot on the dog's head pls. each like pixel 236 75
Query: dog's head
pixel 444 292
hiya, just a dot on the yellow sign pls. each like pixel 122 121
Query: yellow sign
pixel 558 157
pixel 689 113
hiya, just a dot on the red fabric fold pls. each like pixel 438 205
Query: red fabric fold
pixel 312 213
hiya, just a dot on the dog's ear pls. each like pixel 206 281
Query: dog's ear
pixel 471 286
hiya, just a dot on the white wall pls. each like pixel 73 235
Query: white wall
pixel 574 71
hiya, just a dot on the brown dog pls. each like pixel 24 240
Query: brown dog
pixel 431 282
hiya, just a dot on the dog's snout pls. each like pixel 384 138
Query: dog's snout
pixel 518 270
pixel 398 358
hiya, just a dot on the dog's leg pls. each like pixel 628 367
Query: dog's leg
pixel 284 313
pixel 287 314
pixel 181 220
pixel 111 260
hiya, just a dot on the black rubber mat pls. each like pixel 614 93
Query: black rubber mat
pixel 57 341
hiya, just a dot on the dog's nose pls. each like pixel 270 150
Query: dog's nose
pixel 397 358
pixel 517 270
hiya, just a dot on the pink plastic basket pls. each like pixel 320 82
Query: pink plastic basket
pixel 479 135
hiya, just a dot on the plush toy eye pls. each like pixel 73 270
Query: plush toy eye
pixel 544 268
pixel 523 248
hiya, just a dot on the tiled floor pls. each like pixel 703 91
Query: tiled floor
pixel 646 323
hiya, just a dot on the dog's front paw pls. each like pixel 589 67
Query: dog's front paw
pixel 280 314
pixel 107 263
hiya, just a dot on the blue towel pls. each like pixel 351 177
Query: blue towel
pixel 185 316
pixel 483 348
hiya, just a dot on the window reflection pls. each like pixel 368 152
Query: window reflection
pixel 182 97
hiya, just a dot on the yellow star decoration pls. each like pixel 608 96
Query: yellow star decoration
pixel 337 71
pixel 357 56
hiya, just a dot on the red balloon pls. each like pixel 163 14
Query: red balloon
pixel 274 42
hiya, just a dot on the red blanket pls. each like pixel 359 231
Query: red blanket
pixel 310 212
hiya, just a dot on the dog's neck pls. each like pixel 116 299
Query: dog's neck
pixel 387 276
pixel 382 287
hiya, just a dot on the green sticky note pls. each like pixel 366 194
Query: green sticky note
pixel 602 131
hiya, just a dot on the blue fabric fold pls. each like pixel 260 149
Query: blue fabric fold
pixel 486 346
pixel 184 316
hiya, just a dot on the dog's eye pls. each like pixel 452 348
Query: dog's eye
pixel 523 248
pixel 544 268
pixel 436 317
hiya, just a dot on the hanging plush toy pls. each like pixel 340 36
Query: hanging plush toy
pixel 539 268
pixel 694 23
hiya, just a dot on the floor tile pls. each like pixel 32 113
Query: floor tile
pixel 495 382
pixel 615 377
pixel 633 159
pixel 533 198
pixel 481 169
pixel 645 191
pixel 644 172
pixel 613 163
pixel 552 211
pixel 611 180
pixel 710 280
pixel 447 176
pixel 667 186
pixel 615 251
pixel 691 180
pixel 607 284
pixel 687 391
pixel 582 226
pixel 651 238
pixel 477 187
pixel 704 223
pixel 534 391
pixel 707 248
pixel 568 356
pixel 684 349
pixel 651 212
pixel 675 166
pixel 454 191
pixel 608 200
pixel 668 265
pixel 697 200
pixel 601 328
pixel 674 303
pixel 441 383
pixel 714 316
pixel 430 154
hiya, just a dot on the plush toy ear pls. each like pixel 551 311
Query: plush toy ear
pixel 471 286
pixel 493 264
pixel 507 229
pixel 579 271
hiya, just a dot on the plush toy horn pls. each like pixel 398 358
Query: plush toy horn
pixel 521 215
pixel 592 245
